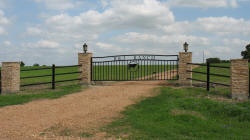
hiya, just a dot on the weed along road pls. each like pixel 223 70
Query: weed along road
pixel 74 115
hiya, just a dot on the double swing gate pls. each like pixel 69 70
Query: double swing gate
pixel 134 67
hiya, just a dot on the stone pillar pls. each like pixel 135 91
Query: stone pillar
pixel 184 58
pixel 10 75
pixel 84 59
pixel 239 79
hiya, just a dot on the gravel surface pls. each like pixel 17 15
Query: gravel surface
pixel 75 115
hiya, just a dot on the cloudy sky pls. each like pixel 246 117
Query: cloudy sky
pixel 53 31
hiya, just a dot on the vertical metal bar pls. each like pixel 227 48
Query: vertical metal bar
pixel 111 71
pixel 91 68
pixel 177 68
pixel 122 70
pixel 53 76
pixel 161 69
pixel 164 62
pixel 172 69
pixel 98 69
pixel 119 74
pixel 108 71
pixel 123 75
pixel 145 67
pixel 170 72
pixel 208 75
pixel 103 71
pixel 127 70
pixel 167 69
pixel 139 70
pixel 116 76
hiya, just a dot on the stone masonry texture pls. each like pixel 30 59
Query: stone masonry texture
pixel 10 75
pixel 84 59
pixel 239 79
pixel 184 58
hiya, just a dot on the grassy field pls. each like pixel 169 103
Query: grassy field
pixel 189 113
pixel 214 70
pixel 30 95
pixel 47 72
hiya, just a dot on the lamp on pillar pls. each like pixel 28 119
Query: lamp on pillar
pixel 85 48
pixel 185 46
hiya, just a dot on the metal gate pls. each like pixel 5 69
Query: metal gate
pixel 140 67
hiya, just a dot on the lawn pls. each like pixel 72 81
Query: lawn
pixel 47 72
pixel 30 95
pixel 188 113
pixel 214 70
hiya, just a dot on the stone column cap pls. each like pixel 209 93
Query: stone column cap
pixel 10 62
pixel 239 59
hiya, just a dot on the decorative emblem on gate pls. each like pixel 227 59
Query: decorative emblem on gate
pixel 133 66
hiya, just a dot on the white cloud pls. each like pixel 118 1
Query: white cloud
pixel 119 15
pixel 7 43
pixel 141 26
pixel 175 39
pixel 4 21
pixel 203 3
pixel 45 44
pixel 108 47
pixel 57 4
pixel 224 25
pixel 34 31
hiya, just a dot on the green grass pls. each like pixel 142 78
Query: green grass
pixel 47 72
pixel 121 72
pixel 183 114
pixel 214 70
pixel 30 95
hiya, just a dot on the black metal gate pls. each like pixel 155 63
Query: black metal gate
pixel 139 67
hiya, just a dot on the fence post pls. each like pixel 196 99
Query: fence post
pixel 208 76
pixel 184 75
pixel 53 76
pixel 239 79
pixel 84 59
pixel 10 77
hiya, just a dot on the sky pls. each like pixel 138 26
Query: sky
pixel 53 31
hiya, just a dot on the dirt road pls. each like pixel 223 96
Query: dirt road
pixel 73 115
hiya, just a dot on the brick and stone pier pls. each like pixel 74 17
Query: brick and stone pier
pixel 84 59
pixel 10 77
pixel 239 79
pixel 184 58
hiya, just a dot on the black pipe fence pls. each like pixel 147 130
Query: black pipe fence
pixel 49 75
pixel 0 81
pixel 208 74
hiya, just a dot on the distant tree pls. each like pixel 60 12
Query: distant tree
pixel 225 61
pixel 36 65
pixel 246 54
pixel 213 60
pixel 22 64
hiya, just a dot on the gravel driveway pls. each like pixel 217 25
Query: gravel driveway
pixel 74 115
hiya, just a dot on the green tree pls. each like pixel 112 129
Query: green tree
pixel 36 65
pixel 213 60
pixel 246 54
pixel 22 64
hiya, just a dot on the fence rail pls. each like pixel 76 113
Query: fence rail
pixel 208 74
pixel 50 72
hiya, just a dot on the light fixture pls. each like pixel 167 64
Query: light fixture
pixel 185 46
pixel 85 48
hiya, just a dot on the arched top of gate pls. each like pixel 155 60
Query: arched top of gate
pixel 137 57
